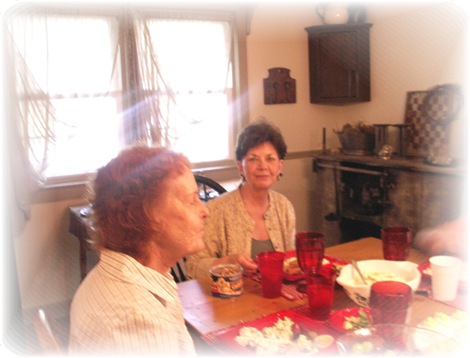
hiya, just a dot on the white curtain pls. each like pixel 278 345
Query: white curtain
pixel 43 70
pixel 170 69
pixel 180 68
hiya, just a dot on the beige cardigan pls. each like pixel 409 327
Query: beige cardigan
pixel 229 229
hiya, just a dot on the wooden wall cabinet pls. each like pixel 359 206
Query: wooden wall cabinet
pixel 339 63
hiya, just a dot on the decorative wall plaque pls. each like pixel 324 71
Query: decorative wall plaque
pixel 279 87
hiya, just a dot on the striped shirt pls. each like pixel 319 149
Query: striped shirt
pixel 123 307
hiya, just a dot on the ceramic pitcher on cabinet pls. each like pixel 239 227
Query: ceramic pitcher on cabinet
pixel 333 13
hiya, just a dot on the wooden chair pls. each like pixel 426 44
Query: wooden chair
pixel 208 188
pixel 178 271
pixel 48 342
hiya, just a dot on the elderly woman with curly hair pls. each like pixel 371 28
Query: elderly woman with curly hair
pixel 254 217
pixel 147 215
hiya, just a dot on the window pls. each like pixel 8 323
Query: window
pixel 71 90
pixel 198 72
pixel 88 83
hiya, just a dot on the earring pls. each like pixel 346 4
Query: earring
pixel 279 177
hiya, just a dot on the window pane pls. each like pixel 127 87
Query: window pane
pixel 71 68
pixel 67 55
pixel 193 58
pixel 193 55
pixel 72 90
pixel 200 126
pixel 87 138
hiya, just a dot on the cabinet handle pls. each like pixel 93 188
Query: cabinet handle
pixel 353 79
pixel 349 82
pixel 356 77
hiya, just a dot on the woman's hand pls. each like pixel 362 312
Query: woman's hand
pixel 245 261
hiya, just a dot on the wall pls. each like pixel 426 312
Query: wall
pixel 413 47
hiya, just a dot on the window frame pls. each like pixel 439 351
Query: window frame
pixel 240 16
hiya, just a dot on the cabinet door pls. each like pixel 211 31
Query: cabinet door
pixel 339 63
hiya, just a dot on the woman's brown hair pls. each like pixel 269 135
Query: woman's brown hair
pixel 257 133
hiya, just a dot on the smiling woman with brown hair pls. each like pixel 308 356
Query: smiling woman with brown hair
pixel 254 217
pixel 148 215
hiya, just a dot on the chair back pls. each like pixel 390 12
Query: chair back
pixel 178 271
pixel 208 188
pixel 47 340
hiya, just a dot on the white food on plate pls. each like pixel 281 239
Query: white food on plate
pixel 324 341
pixel 305 345
pixel 280 339
pixel 372 277
pixel 248 336
pixel 270 340
pixel 454 325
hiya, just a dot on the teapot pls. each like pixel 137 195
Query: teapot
pixel 332 13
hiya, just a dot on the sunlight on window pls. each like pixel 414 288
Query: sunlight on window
pixel 177 88
pixel 199 72
pixel 201 131
pixel 200 62
pixel 88 139
pixel 72 56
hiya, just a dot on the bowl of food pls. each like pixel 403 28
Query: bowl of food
pixel 227 280
pixel 373 271
pixel 396 339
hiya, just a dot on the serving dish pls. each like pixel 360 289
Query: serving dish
pixel 224 340
pixel 332 261
pixel 405 271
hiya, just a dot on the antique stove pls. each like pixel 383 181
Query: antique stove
pixel 362 199
pixel 360 194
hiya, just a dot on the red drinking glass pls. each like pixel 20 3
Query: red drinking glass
pixel 396 242
pixel 270 268
pixel 390 302
pixel 320 292
pixel 310 249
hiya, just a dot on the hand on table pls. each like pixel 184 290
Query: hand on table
pixel 244 260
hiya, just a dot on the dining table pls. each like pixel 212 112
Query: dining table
pixel 205 313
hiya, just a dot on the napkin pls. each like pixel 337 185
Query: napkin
pixel 288 290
